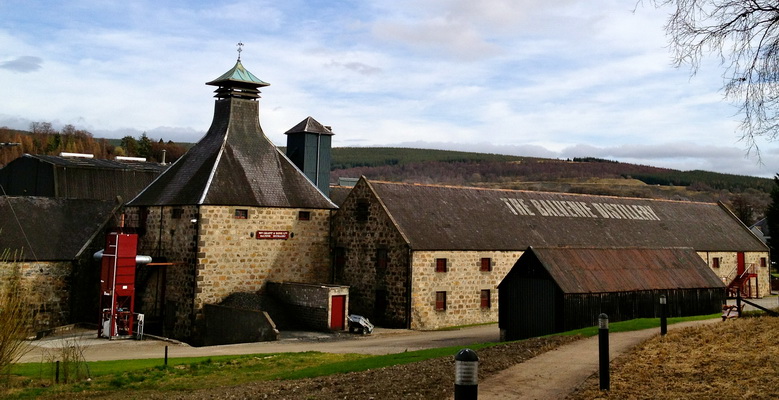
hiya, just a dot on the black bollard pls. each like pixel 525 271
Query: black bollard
pixel 603 351
pixel 663 315
pixel 466 375
pixel 166 356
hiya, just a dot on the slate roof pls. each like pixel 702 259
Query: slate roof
pixel 52 229
pixel 234 164
pixel 309 125
pixel 457 218
pixel 589 270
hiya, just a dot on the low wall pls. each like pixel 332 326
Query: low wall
pixel 228 325
pixel 308 304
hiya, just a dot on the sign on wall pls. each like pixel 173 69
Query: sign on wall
pixel 272 235
pixel 581 209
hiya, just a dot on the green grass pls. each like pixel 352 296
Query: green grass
pixel 637 324
pixel 200 372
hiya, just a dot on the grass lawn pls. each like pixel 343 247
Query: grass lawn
pixel 35 380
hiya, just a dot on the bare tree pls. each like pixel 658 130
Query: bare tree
pixel 744 34
pixel 15 314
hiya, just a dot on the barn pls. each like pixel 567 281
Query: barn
pixel 76 177
pixel 430 256
pixel 552 290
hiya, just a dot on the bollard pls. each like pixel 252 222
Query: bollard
pixel 603 351
pixel 738 302
pixel 57 373
pixel 466 375
pixel 663 315
pixel 166 356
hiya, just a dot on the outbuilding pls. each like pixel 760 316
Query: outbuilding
pixel 552 290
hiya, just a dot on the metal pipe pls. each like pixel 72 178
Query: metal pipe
pixel 139 259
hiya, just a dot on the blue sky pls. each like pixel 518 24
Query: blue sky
pixel 556 79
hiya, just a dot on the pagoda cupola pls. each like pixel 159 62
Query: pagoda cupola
pixel 238 82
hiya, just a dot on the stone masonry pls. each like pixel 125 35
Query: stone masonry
pixel 728 264
pixel 463 283
pixel 214 254
pixel 378 289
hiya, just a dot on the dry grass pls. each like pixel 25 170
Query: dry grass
pixel 732 360
pixel 15 314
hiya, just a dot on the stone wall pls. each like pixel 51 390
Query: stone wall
pixel 462 282
pixel 231 257
pixel 47 287
pixel 728 264
pixel 362 232
pixel 228 325
pixel 309 305
pixel 214 253
pixel 167 232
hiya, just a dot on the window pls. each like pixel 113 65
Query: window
pixel 363 210
pixel 763 262
pixel 486 264
pixel 485 298
pixel 339 259
pixel 440 265
pixel 176 213
pixel 381 260
pixel 440 301
pixel 241 213
pixel 304 215
pixel 715 262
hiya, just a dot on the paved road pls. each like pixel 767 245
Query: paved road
pixel 382 341
pixel 556 373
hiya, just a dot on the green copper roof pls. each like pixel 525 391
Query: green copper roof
pixel 237 74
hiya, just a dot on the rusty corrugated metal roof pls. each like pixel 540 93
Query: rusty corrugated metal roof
pixel 52 229
pixel 457 218
pixel 588 270
pixel 234 164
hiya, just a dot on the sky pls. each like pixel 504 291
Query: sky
pixel 557 79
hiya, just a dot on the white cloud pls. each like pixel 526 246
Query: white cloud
pixel 546 78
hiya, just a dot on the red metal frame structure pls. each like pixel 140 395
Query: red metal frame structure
pixel 117 285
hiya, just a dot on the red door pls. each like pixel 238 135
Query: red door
pixel 741 263
pixel 337 313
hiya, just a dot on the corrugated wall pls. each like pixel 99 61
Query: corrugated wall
pixel 89 183
pixel 582 310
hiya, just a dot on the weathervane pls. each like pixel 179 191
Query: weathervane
pixel 240 49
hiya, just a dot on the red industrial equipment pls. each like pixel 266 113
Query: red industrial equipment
pixel 117 286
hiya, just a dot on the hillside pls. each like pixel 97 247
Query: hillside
pixel 748 196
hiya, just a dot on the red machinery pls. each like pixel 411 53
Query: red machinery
pixel 117 286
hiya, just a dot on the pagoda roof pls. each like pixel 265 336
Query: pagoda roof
pixel 238 74
pixel 309 125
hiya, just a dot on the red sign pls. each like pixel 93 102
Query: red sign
pixel 278 235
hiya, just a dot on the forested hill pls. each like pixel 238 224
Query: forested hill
pixel 747 196
pixel 456 167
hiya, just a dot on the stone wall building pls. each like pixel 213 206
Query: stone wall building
pixel 49 244
pixel 230 215
pixel 426 257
